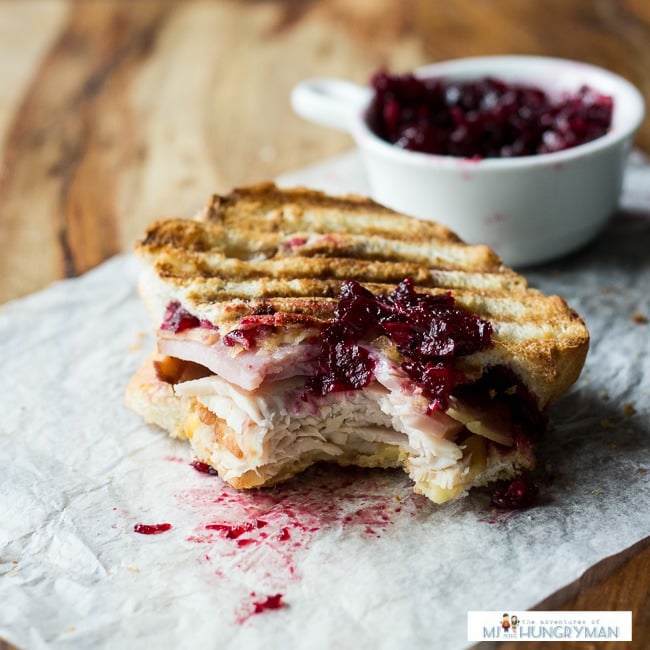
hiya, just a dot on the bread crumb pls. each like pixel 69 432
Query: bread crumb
pixel 597 492
pixel 639 318
pixel 641 470
pixel 628 410
pixel 602 394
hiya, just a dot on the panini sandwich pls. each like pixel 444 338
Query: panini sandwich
pixel 295 327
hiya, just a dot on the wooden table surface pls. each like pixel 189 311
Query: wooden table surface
pixel 115 113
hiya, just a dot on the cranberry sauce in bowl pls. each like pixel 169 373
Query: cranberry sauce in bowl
pixel 498 108
pixel 522 153
pixel 483 118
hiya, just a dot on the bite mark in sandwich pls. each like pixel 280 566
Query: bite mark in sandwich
pixel 296 327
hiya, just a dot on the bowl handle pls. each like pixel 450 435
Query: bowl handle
pixel 330 102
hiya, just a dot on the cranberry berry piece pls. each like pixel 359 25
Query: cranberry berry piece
pixel 517 495
pixel 270 602
pixel 204 468
pixel 247 337
pixel 178 319
pixel 344 367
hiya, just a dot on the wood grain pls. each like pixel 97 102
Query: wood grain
pixel 116 113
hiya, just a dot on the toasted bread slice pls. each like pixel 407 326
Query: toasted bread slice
pixel 278 258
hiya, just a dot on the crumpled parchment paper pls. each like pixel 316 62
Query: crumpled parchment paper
pixel 358 559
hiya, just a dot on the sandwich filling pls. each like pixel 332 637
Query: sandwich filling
pixel 383 383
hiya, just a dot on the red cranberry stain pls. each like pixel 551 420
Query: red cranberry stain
pixel 245 542
pixel 261 536
pixel 151 529
pixel 234 531
pixel 257 604
pixel 278 524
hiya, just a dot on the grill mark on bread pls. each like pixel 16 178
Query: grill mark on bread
pixel 250 242
pixel 267 198
pixel 303 268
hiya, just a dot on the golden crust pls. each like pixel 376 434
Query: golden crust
pixel 248 203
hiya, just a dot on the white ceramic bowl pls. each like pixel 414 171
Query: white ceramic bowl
pixel 529 209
